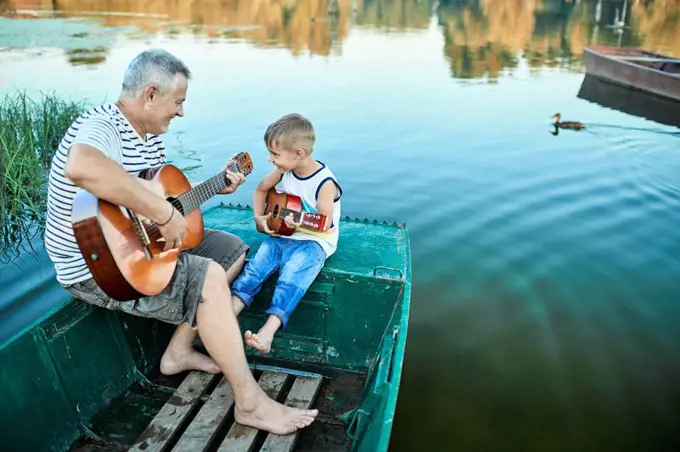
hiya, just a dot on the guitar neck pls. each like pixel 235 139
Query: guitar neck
pixel 193 198
pixel 307 220
pixel 202 192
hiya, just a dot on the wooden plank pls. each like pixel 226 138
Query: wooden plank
pixel 208 420
pixel 241 438
pixel 301 395
pixel 161 428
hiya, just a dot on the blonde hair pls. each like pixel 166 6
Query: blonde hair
pixel 291 131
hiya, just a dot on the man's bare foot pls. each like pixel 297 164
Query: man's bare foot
pixel 174 362
pixel 260 341
pixel 267 414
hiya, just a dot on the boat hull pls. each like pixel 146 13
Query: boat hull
pixel 65 364
pixel 635 68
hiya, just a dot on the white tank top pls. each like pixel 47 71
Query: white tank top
pixel 307 188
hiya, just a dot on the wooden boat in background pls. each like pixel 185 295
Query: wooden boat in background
pixel 630 101
pixel 636 68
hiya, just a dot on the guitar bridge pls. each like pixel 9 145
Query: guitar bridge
pixel 142 236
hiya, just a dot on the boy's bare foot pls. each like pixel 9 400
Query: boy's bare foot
pixel 259 341
pixel 174 362
pixel 267 414
pixel 262 341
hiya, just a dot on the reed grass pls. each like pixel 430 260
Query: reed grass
pixel 30 131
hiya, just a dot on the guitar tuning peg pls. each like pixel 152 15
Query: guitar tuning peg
pixel 375 221
pixel 231 205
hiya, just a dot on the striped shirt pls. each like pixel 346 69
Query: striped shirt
pixel 107 129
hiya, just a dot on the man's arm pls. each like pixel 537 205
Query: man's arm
pixel 90 169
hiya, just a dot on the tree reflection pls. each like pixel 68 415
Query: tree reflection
pixel 482 38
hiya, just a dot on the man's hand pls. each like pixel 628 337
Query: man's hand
pixel 173 231
pixel 261 224
pixel 235 180
pixel 91 170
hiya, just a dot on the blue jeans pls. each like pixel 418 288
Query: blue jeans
pixel 299 261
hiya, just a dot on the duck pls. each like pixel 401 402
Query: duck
pixel 567 124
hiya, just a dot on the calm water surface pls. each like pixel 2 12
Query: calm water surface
pixel 546 268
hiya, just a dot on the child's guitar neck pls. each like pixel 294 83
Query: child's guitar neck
pixel 308 220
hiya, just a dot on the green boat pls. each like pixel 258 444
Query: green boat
pixel 79 378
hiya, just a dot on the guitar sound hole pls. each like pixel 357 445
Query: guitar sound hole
pixel 176 204
pixel 276 211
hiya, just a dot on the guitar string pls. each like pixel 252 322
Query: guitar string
pixel 190 200
pixel 203 192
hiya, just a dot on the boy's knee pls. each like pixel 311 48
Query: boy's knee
pixel 301 276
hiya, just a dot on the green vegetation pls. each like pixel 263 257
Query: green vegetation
pixel 30 131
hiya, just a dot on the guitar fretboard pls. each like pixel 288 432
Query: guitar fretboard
pixel 307 220
pixel 283 213
pixel 199 194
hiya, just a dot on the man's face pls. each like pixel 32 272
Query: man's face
pixel 163 108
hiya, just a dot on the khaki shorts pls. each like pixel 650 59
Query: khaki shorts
pixel 178 302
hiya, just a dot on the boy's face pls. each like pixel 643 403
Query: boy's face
pixel 285 159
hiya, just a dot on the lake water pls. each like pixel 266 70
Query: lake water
pixel 546 268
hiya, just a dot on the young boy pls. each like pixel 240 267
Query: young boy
pixel 299 257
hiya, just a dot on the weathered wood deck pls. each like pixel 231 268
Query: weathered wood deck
pixel 199 415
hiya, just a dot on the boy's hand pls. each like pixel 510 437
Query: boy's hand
pixel 235 180
pixel 261 224
pixel 290 222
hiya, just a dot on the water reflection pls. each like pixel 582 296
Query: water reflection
pixel 303 25
pixel 481 38
pixel 632 102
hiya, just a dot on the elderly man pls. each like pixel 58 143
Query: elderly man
pixel 103 152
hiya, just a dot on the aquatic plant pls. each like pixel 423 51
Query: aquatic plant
pixel 30 131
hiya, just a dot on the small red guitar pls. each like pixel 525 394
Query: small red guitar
pixel 281 205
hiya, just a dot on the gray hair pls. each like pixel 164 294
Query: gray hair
pixel 153 66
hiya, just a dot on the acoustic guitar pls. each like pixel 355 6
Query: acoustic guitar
pixel 123 252
pixel 281 204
